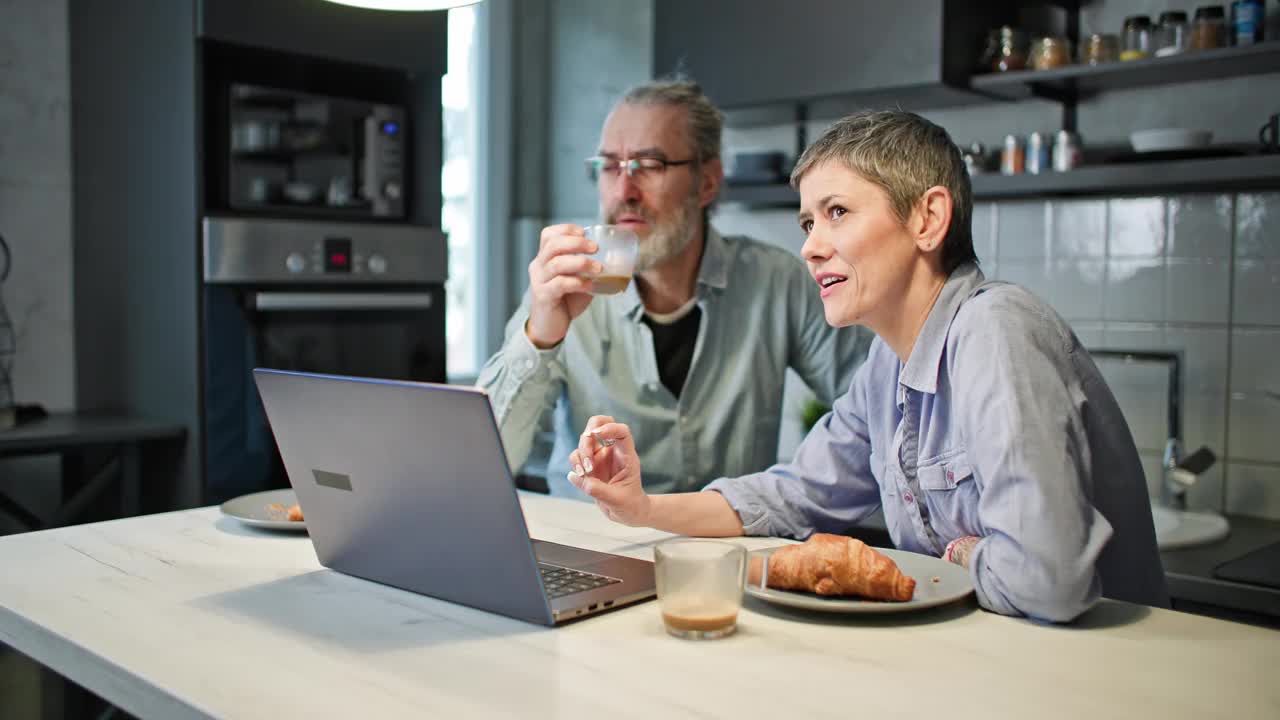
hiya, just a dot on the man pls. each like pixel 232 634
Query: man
pixel 694 352
pixel 978 422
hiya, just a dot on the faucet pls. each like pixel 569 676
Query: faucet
pixel 1177 473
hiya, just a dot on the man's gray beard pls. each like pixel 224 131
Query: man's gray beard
pixel 669 239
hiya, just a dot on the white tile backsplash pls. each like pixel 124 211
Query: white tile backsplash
pixel 1030 274
pixel 1023 230
pixel 1258 225
pixel 1075 288
pixel 1200 226
pixel 1255 360
pixel 1091 334
pixel 1204 355
pixel 1255 427
pixel 1253 489
pixel 1255 395
pixel 1134 336
pixel 1142 401
pixel 1136 227
pixel 1079 228
pixel 1256 295
pixel 1198 290
pixel 1135 290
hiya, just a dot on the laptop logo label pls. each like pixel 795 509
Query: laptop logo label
pixel 337 481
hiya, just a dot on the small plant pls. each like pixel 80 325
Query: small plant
pixel 811 412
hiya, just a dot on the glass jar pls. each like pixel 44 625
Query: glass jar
pixel 1209 29
pixel 1137 38
pixel 1050 52
pixel 1173 35
pixel 1100 48
pixel 1006 50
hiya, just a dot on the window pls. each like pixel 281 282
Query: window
pixel 459 96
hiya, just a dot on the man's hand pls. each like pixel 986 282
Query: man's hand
pixel 607 468
pixel 557 291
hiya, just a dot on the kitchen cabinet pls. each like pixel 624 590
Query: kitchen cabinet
pixel 761 53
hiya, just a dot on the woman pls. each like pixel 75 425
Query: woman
pixel 978 422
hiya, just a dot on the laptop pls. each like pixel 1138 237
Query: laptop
pixel 406 484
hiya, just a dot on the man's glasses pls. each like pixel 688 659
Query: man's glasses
pixel 638 169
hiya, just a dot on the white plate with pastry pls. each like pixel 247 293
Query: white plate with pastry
pixel 935 582
pixel 270 510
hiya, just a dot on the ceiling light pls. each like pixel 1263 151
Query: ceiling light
pixel 405 4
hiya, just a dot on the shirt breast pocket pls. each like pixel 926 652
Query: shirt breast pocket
pixel 952 496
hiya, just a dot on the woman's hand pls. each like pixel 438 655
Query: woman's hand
pixel 607 468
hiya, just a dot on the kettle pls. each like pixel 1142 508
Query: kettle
pixel 8 413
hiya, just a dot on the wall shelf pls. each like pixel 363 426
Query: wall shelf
pixel 1074 80
pixel 1250 172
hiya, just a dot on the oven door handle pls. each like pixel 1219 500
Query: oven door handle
pixel 269 301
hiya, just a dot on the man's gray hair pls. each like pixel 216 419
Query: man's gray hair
pixel 905 155
pixel 706 122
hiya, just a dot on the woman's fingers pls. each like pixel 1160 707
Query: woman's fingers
pixel 587 444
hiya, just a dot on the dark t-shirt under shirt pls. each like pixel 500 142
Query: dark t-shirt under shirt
pixel 673 347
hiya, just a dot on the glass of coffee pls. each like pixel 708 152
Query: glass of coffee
pixel 619 247
pixel 700 586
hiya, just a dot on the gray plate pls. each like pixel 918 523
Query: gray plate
pixel 255 509
pixel 953 583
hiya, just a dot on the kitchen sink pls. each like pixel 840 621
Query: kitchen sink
pixel 1176 529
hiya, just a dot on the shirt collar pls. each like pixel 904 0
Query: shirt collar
pixel 921 371
pixel 713 272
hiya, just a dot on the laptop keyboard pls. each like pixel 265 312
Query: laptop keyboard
pixel 561 581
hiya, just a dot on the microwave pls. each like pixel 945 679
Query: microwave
pixel 295 137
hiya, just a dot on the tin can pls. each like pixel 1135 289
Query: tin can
pixel 1248 18
pixel 1013 156
pixel 1037 153
pixel 1066 151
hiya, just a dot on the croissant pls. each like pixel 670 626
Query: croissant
pixel 835 565
pixel 295 513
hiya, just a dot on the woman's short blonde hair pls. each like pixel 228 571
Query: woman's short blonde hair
pixel 905 155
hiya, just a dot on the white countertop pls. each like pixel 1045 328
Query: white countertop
pixel 190 614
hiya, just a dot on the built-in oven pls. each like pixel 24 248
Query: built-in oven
pixel 362 299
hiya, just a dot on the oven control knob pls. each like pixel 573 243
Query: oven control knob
pixel 377 264
pixel 295 263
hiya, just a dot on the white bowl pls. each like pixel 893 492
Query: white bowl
pixel 1170 139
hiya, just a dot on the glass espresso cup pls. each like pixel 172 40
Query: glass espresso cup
pixel 700 586
pixel 618 248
